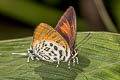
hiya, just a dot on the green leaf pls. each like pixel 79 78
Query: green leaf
pixel 99 57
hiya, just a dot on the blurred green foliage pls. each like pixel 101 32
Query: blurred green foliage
pixel 52 2
pixel 114 8
pixel 30 12
pixel 33 12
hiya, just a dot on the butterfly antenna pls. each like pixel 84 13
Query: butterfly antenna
pixel 86 38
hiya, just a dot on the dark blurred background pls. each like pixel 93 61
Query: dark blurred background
pixel 18 18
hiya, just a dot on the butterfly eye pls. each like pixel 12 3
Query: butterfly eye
pixel 31 51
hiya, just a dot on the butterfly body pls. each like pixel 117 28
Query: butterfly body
pixel 55 45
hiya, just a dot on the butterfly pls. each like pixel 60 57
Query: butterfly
pixel 55 44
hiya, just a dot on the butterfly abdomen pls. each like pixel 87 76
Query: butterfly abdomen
pixel 51 52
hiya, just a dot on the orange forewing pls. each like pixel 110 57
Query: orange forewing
pixel 46 32
pixel 67 26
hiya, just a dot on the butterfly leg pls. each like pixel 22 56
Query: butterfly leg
pixel 74 62
pixel 37 58
pixel 58 62
pixel 77 60
pixel 30 57
pixel 69 64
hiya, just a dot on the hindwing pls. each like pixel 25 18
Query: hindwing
pixel 46 32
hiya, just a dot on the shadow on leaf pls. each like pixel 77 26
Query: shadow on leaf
pixel 50 72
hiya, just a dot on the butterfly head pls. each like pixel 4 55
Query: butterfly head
pixel 30 50
pixel 31 54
